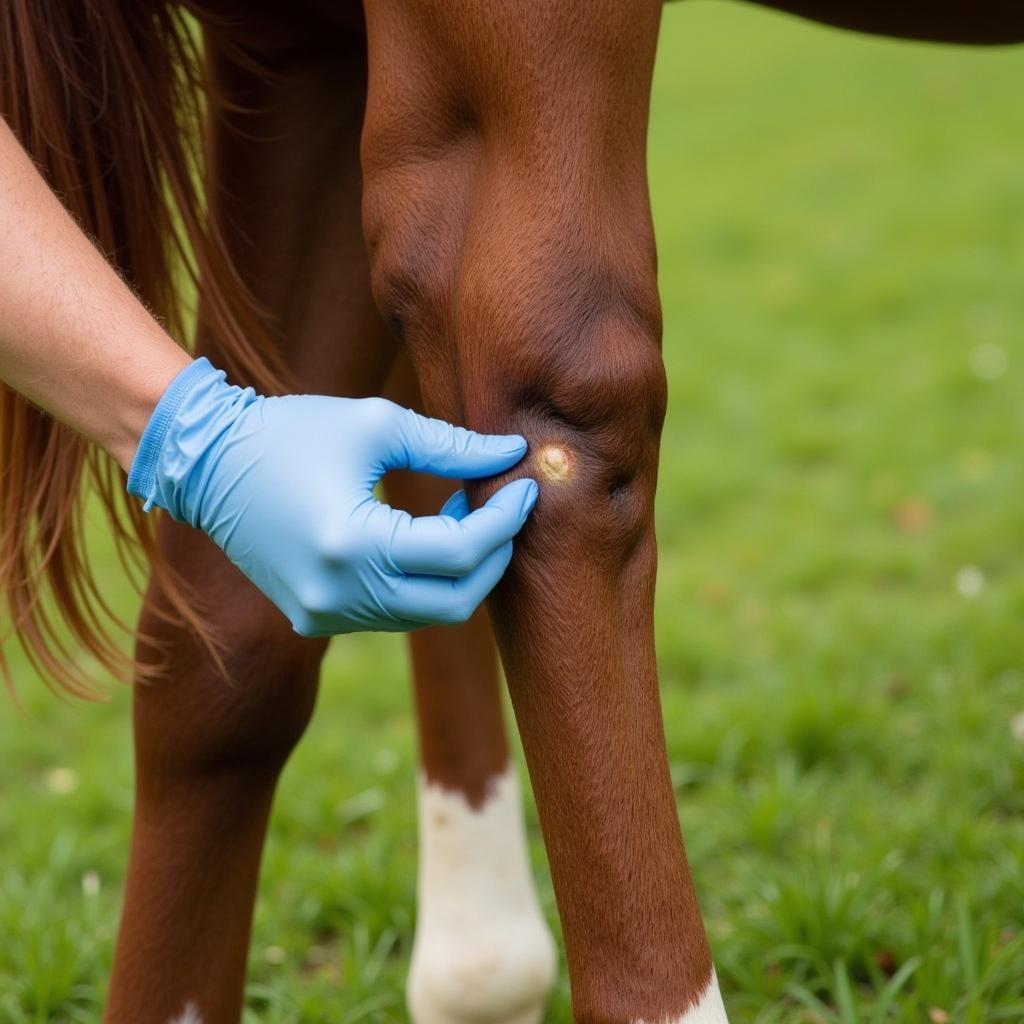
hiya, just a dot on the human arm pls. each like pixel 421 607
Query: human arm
pixel 283 485
pixel 74 339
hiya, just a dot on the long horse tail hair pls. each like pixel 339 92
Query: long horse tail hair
pixel 109 98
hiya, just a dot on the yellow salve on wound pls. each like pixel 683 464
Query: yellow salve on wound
pixel 555 462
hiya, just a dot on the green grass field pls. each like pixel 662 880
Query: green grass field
pixel 841 593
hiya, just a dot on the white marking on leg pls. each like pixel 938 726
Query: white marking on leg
pixel 190 1015
pixel 708 1009
pixel 482 951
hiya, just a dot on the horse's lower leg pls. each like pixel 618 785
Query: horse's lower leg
pixel 284 191
pixel 507 211
pixel 482 952
pixel 208 752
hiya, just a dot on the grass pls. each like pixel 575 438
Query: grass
pixel 840 601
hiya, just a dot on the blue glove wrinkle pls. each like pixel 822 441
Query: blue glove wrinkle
pixel 190 456
pixel 142 477
pixel 457 506
pixel 209 423
pixel 399 521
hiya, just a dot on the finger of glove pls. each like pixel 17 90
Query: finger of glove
pixel 445 546
pixel 433 446
pixel 441 601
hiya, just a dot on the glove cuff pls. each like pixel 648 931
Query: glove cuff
pixel 142 478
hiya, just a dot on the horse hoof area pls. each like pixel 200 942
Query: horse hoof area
pixel 482 952
pixel 503 978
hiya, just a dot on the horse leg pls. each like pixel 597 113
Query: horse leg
pixel 482 951
pixel 507 214
pixel 985 22
pixel 285 193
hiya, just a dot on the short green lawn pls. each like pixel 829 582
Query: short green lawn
pixel 841 596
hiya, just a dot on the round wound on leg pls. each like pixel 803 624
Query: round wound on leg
pixel 556 462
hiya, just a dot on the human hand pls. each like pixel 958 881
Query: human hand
pixel 285 487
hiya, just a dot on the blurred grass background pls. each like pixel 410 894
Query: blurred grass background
pixel 841 595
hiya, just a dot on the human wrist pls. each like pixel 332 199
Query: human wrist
pixel 167 448
pixel 135 385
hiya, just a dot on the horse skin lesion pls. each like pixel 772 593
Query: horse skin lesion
pixel 556 463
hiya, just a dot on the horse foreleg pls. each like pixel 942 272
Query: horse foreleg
pixel 507 212
pixel 482 952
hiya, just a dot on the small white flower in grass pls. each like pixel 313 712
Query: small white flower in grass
pixel 386 760
pixel 1017 727
pixel 970 581
pixel 988 361
pixel 91 884
pixel 62 781
pixel 275 955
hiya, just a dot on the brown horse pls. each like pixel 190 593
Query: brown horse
pixel 444 201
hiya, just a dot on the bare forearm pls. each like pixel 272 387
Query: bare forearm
pixel 73 337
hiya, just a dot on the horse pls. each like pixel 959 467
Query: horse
pixel 444 202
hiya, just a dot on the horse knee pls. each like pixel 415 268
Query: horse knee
pixel 245 714
pixel 521 331
pixel 574 365
pixel 589 394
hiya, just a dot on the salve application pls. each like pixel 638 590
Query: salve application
pixel 443 201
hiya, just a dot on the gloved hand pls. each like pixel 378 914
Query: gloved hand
pixel 285 487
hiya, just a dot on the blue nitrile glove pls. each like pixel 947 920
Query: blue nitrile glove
pixel 285 487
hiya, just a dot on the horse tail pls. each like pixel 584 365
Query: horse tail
pixel 109 97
